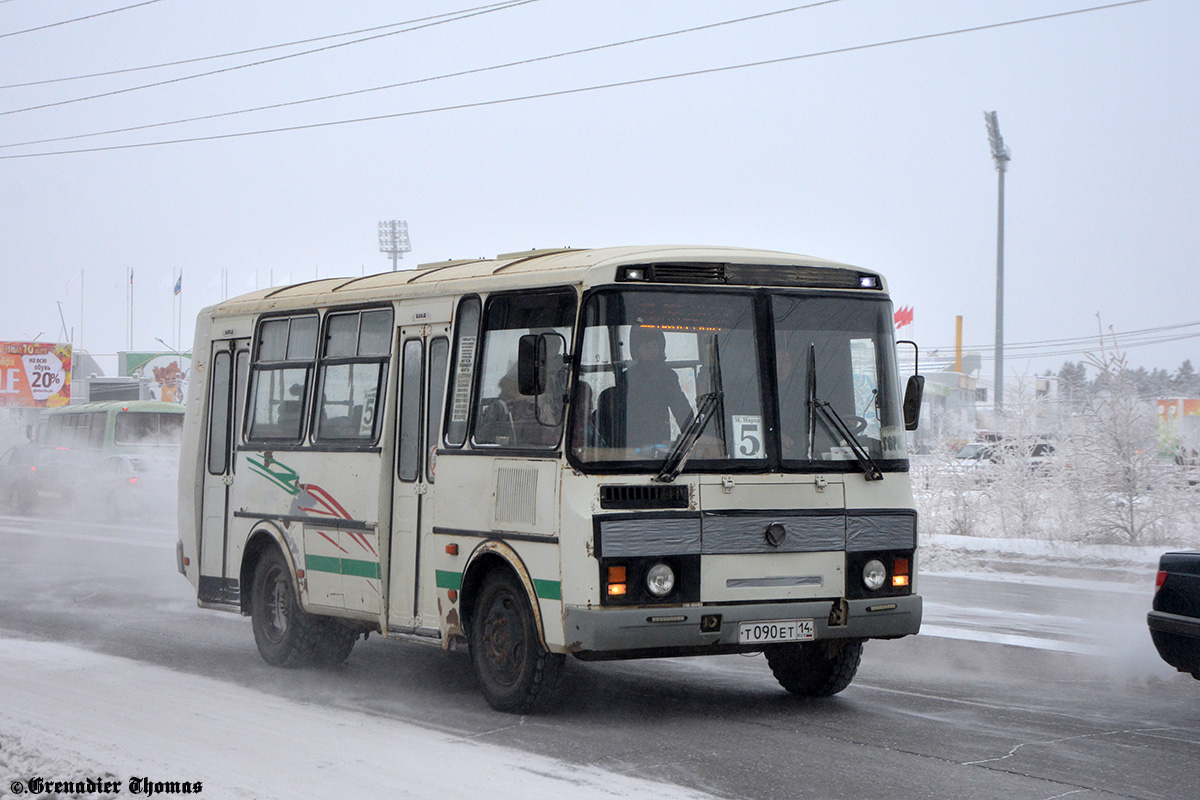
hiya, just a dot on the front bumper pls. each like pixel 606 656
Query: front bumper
pixel 661 630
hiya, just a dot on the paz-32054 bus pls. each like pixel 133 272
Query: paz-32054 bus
pixel 614 453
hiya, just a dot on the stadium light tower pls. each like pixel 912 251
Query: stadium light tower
pixel 393 239
pixel 1001 157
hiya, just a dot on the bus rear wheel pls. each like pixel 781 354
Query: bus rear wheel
pixel 516 672
pixel 815 669
pixel 286 635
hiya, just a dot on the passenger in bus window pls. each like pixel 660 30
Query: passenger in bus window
pixel 512 418
pixel 653 394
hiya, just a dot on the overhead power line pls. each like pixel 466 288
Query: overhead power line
pixel 1080 345
pixel 583 89
pixel 462 73
pixel 235 68
pixel 77 19
pixel 249 51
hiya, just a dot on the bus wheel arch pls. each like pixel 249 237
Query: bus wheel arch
pixel 286 635
pixel 259 542
pixel 490 556
pixel 503 626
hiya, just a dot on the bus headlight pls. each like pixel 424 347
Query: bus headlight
pixel 874 574
pixel 660 579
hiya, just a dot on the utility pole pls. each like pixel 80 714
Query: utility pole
pixel 1001 157
pixel 393 240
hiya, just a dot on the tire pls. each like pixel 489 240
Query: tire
pixel 20 499
pixel 286 635
pixel 516 673
pixel 815 669
pixel 335 644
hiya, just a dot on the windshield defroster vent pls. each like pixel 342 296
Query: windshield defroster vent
pixel 645 496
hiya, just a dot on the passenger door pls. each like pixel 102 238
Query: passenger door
pixel 228 369
pixel 424 354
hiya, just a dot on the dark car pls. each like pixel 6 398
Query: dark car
pixel 1175 619
pixel 30 476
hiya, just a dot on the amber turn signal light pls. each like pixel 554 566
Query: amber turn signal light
pixel 616 581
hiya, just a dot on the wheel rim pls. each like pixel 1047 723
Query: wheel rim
pixel 504 639
pixel 277 596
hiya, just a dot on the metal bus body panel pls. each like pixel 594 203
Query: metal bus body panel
pixel 329 516
pixel 755 578
pixel 500 499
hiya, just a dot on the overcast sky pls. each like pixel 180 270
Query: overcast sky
pixel 872 155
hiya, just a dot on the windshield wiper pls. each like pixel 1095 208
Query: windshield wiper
pixel 870 469
pixel 687 439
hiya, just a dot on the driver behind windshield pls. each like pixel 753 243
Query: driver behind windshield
pixel 652 391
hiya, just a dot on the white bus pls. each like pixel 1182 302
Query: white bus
pixel 616 453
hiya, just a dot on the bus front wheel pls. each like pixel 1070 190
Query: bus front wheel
pixel 516 672
pixel 815 669
pixel 286 635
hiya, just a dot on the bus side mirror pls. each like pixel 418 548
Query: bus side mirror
pixel 531 364
pixel 912 401
pixel 914 391
pixel 542 374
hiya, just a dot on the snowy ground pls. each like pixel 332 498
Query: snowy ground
pixel 68 714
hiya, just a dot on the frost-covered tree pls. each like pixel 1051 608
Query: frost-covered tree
pixel 1186 382
pixel 1073 384
pixel 1117 472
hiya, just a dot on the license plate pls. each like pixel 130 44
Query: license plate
pixel 779 630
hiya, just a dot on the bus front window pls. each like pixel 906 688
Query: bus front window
pixel 648 360
pixel 837 353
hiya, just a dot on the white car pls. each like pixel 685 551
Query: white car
pixel 124 486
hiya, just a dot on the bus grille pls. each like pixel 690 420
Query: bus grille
pixel 636 497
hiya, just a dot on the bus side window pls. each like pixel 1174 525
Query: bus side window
pixel 439 354
pixel 279 386
pixel 466 339
pixel 357 345
pixel 408 459
pixel 218 430
pixel 97 424
pixel 503 416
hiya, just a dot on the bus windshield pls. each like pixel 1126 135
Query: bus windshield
pixel 650 359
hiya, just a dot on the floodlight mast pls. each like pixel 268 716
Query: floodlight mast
pixel 1001 157
pixel 393 240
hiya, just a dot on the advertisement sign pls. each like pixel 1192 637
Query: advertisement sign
pixel 35 374
pixel 168 370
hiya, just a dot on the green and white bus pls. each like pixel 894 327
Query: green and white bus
pixel 614 453
pixel 113 428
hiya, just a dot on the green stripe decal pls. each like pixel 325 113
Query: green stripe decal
pixel 448 580
pixel 545 590
pixel 343 566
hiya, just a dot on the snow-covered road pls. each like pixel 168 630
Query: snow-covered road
pixel 68 714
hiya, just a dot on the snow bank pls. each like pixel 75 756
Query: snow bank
pixel 68 714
